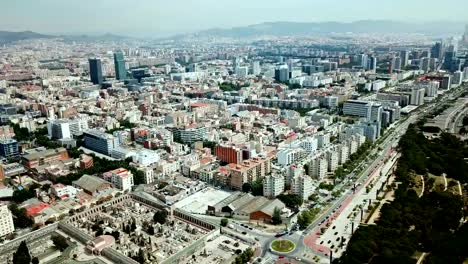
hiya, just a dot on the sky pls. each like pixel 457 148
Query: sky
pixel 166 17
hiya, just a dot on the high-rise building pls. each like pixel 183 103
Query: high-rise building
pixel 363 60
pixel 457 78
pixel 404 56
pixel 6 219
pixel 273 185
pixel 302 186
pixel 450 59
pixel 417 96
pixel 373 63
pixel 425 64
pixel 9 148
pixel 59 129
pixel 282 74
pixel 318 167
pixel 397 65
pixel 119 64
pixel 256 68
pixel 95 71
pixel 100 142
pixel 437 51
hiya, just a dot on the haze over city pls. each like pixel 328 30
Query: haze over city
pixel 149 18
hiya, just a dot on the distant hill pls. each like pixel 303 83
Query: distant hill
pixel 10 36
pixel 91 38
pixel 306 28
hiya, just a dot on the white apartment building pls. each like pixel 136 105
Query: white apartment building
pixel 64 191
pixel 146 157
pixel 343 153
pixel 302 186
pixel 332 159
pixel 273 185
pixel 288 156
pixel 121 178
pixel 6 221
pixel 323 140
pixel 318 167
pixel 310 144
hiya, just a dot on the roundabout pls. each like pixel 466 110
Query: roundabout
pixel 282 246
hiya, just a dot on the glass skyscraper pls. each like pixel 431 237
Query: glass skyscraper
pixel 119 63
pixel 95 71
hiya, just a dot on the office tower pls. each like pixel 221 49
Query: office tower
pixel 391 65
pixel 465 36
pixel 282 74
pixel 446 82
pixel 450 58
pixel 397 63
pixel 425 63
pixel 404 56
pixel 437 51
pixel 99 141
pixel 373 63
pixel 119 64
pixel 9 148
pixel 465 73
pixel 59 129
pixel 363 61
pixel 95 71
pixel 256 68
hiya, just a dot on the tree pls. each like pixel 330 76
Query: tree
pixel 60 242
pixel 21 219
pixel 224 222
pixel 22 256
pixel 160 217
pixel 257 187
pixel 115 234
pixel 20 196
pixel 246 187
pixel 276 218
pixel 35 260
pixel 141 256
pixel 99 232
pixel 290 200
pixel 151 230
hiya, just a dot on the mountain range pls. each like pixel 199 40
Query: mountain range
pixel 314 28
pixel 274 29
pixel 10 36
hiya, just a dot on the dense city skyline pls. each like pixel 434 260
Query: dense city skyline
pixel 158 18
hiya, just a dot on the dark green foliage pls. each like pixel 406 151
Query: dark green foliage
pixel 244 257
pixel 60 242
pixel 224 222
pixel 35 260
pixel 276 218
pixel 160 217
pixel 231 87
pixel 103 165
pixel 20 219
pixel 22 256
pixel 290 200
pixel 20 196
pixel 409 224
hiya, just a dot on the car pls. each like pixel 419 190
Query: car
pixel 321 242
pixel 329 241
pixel 338 239
pixel 332 246
pixel 244 233
pixel 256 238
pixel 336 233
pixel 281 257
pixel 333 227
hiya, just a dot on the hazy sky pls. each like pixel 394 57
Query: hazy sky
pixel 161 17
